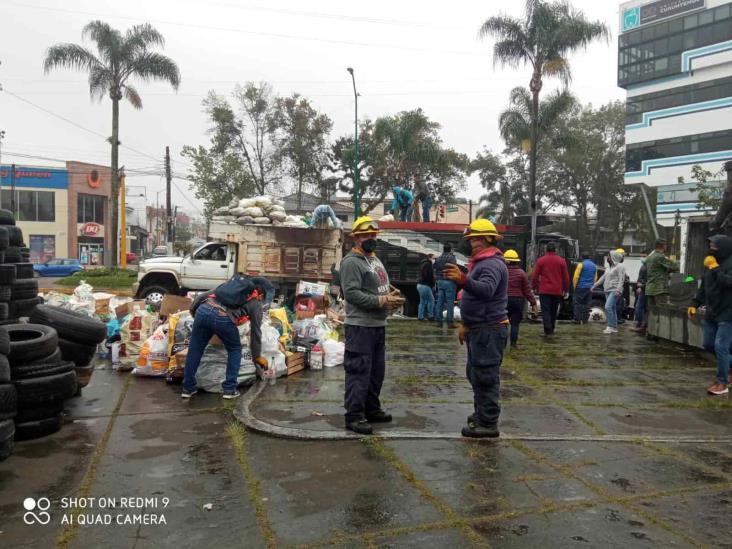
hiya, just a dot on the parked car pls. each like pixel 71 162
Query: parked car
pixel 160 251
pixel 58 267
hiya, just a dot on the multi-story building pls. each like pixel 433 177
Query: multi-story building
pixel 675 61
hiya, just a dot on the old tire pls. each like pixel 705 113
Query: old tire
pixel 78 353
pixel 23 288
pixel 4 369
pixel 30 342
pixel 7 217
pixel 40 411
pixel 7 274
pixel 7 434
pixel 70 325
pixel 4 239
pixel 37 429
pixel 83 375
pixel 24 270
pixel 4 311
pixel 29 371
pixel 4 342
pixel 8 401
pixel 5 292
pixel 23 307
pixel 53 358
pixel 15 236
pixel 46 388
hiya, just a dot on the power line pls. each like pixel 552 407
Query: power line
pixel 254 33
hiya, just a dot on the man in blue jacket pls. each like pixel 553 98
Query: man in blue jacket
pixel 584 278
pixel 483 308
pixel 402 204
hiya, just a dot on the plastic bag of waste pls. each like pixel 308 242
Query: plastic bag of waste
pixel 154 359
pixel 252 211
pixel 333 352
pixel 278 216
pixel 244 220
pixel 224 210
pixel 238 212
pixel 247 202
pixel 262 221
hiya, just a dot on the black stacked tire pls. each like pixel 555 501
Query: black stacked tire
pixel 15 236
pixel 24 270
pixel 7 434
pixel 8 398
pixel 30 342
pixel 4 238
pixel 7 217
pixel 7 277
pixel 23 297
pixel 13 255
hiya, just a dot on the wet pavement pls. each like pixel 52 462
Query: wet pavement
pixel 606 442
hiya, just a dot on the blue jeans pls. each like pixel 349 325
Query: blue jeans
pixel 446 292
pixel 405 213
pixel 483 370
pixel 717 340
pixel 611 310
pixel 426 302
pixel 426 205
pixel 208 323
pixel 640 308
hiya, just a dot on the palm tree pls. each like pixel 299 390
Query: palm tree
pixel 120 58
pixel 543 39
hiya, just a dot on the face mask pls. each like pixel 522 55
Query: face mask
pixel 713 252
pixel 369 245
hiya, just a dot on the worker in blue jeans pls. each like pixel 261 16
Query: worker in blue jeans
pixel 446 289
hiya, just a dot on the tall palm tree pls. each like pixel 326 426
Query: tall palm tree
pixel 120 58
pixel 542 39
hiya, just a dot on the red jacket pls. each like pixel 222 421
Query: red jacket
pixel 550 275
pixel 518 284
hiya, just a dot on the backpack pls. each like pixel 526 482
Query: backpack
pixel 234 293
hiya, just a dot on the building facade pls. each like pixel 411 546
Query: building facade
pixel 675 61
pixel 63 212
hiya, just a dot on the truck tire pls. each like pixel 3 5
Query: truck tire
pixel 70 325
pixel 43 389
pixel 40 411
pixel 37 429
pixel 7 434
pixel 31 341
pixel 78 353
pixel 29 371
pixel 153 295
pixel 8 401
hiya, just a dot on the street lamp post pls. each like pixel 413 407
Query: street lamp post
pixel 355 167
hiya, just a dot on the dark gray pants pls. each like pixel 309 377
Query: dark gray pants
pixel 485 354
pixel 365 364
pixel 582 304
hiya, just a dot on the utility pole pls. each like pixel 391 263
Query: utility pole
pixel 355 165
pixel 175 223
pixel 168 213
pixel 122 220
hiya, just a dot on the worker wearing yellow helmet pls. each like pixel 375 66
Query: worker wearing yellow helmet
pixel 519 292
pixel 485 324
pixel 365 286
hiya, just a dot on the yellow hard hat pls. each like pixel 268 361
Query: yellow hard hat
pixel 621 251
pixel 364 224
pixel 512 256
pixel 482 227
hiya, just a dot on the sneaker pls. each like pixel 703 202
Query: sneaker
pixel 718 389
pixel 475 430
pixel 378 417
pixel 609 331
pixel 360 426
pixel 232 395
pixel 188 394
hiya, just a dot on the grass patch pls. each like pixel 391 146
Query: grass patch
pixel 113 279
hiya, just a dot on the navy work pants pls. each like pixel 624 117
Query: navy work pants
pixel 485 354
pixel 365 364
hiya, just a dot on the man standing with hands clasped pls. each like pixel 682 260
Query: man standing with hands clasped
pixel 369 301
pixel 483 309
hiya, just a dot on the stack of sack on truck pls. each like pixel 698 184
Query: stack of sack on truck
pixel 259 210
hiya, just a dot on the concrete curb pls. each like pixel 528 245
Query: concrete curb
pixel 242 413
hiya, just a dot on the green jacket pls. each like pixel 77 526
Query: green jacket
pixel 658 267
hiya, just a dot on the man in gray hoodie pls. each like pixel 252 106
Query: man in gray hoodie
pixel 365 286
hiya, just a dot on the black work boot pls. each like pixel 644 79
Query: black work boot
pixel 476 430
pixel 360 426
pixel 378 417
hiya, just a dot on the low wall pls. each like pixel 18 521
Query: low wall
pixel 671 322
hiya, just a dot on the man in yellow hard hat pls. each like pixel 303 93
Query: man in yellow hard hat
pixel 519 292
pixel 366 289
pixel 483 309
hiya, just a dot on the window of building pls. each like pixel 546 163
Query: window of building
pixel 668 40
pixel 90 208
pixel 31 205
pixel 636 153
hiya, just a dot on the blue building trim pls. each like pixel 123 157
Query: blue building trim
pixel 35 178
pixel 689 55
pixel 648 165
pixel 681 206
pixel 650 116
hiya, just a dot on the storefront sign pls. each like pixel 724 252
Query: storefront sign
pixel 45 178
pixel 94 180
pixel 633 18
pixel 91 229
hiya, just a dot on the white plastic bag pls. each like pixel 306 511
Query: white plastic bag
pixel 154 359
pixel 278 216
pixel 270 339
pixel 237 211
pixel 333 353
pixel 244 220
pixel 83 300
pixel 262 221
pixel 252 211
pixel 247 203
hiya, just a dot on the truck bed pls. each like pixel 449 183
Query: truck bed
pixel 283 254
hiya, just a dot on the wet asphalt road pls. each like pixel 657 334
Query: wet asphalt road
pixel 133 437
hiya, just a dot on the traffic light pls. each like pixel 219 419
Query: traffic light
pixel 442 211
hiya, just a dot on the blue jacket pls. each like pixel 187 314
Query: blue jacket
pixel 485 290
pixel 440 264
pixel 587 274
pixel 402 198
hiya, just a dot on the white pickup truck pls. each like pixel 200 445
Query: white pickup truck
pixel 284 255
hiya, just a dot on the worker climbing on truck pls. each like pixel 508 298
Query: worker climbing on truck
pixel 402 204
pixel 483 309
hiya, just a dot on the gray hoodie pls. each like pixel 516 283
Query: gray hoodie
pixel 363 280
pixel 614 277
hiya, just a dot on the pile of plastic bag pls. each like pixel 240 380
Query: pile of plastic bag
pixel 259 210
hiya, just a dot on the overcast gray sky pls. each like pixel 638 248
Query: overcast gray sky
pixel 406 54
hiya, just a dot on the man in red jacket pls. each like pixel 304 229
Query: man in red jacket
pixel 551 280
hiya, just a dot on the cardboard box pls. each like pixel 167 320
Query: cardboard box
pixel 295 363
pixel 127 308
pixel 174 304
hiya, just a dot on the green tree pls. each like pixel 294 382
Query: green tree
pixel 120 58
pixel 709 187
pixel 301 136
pixel 542 39
pixel 505 186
